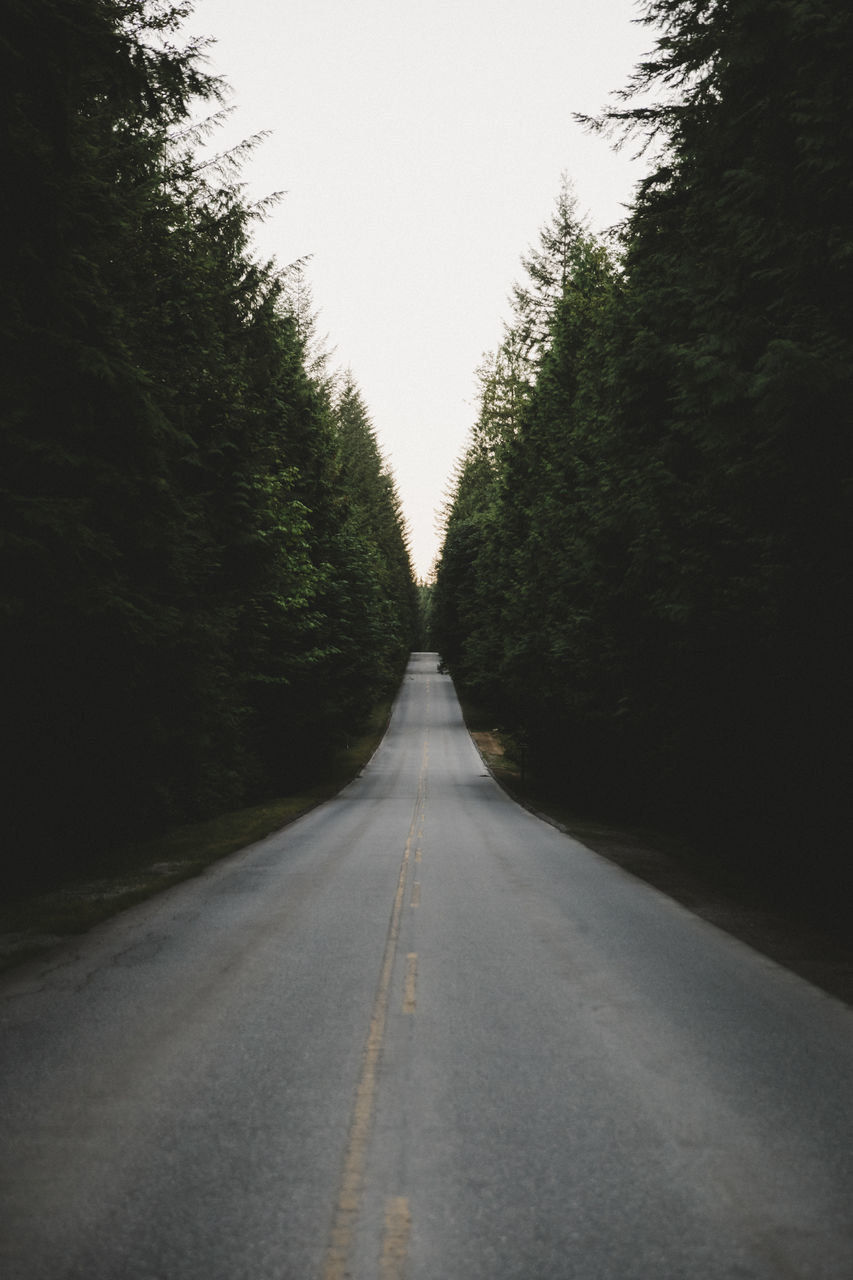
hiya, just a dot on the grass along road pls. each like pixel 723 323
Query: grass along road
pixel 33 922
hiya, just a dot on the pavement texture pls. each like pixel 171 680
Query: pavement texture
pixel 421 1035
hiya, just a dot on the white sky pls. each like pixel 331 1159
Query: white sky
pixel 420 143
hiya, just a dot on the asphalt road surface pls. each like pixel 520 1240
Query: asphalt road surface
pixel 421 1034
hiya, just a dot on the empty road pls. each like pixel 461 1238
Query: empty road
pixel 421 1035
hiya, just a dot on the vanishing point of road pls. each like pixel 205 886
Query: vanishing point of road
pixel 421 1035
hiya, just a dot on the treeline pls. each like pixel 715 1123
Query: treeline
pixel 646 571
pixel 206 583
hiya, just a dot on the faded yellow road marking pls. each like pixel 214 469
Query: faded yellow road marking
pixel 416 893
pixel 395 1243
pixel 355 1157
pixel 411 978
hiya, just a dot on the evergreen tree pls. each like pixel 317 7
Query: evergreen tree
pixel 375 535
pixel 663 541
pixel 90 509
pixel 736 377
pixel 467 596
pixel 173 504
pixel 548 267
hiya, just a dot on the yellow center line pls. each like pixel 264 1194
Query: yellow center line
pixel 411 979
pixel 416 894
pixel 355 1157
pixel 395 1243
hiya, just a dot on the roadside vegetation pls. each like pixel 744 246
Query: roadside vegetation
pixel 645 579
pixel 206 584
pixel 805 933
pixel 34 920
pixel 646 573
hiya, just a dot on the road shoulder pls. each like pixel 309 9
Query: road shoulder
pixel 804 947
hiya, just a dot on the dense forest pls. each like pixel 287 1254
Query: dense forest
pixel 646 570
pixel 205 576
pixel 645 576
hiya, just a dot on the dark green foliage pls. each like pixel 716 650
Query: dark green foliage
pixel 739 263
pixel 372 601
pixel 665 543
pixel 467 592
pixel 171 471
pixel 426 591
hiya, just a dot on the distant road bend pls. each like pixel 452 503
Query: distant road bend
pixel 421 1035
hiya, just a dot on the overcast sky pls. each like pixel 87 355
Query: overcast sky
pixel 420 144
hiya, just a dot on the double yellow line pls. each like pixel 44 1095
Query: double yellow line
pixel 398 1218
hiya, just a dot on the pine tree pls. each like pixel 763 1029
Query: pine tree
pixel 548 267
pixel 735 380
pixel 173 552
